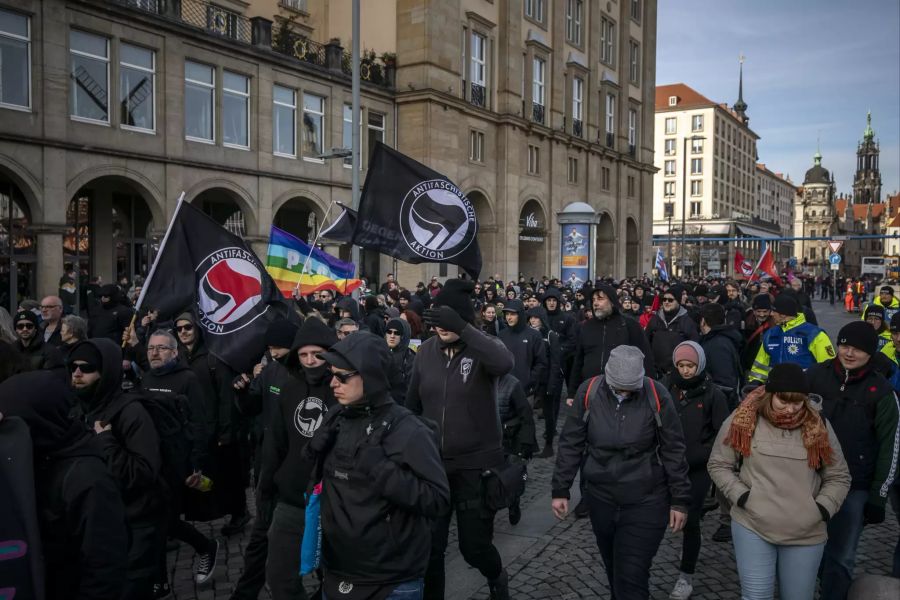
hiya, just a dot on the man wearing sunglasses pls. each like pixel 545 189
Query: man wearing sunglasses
pixel 670 326
pixel 30 343
pixel 376 459
pixel 402 357
pixel 132 448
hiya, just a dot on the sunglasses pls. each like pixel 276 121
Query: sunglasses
pixel 83 367
pixel 25 326
pixel 392 332
pixel 180 328
pixel 344 377
pixel 668 299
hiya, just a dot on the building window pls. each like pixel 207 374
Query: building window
pixel 537 89
pixel 573 169
pixel 632 129
pixel 313 126
pixel 284 121
pixel 673 100
pixel 636 10
pixel 610 117
pixel 90 76
pixel 476 146
pixel 375 124
pixel 629 186
pixel 235 110
pixel 670 168
pixel 669 189
pixel 696 166
pixel 534 9
pixel 534 160
pixel 634 62
pixel 15 59
pixel 137 75
pixel 695 209
pixel 199 102
pixel 697 187
pixel 477 69
pixel 696 146
pixel 604 178
pixel 671 126
pixel 347 134
pixel 697 123
pixel 574 12
pixel 607 41
pixel 670 147
pixel 577 106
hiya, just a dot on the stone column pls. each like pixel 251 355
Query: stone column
pixel 49 257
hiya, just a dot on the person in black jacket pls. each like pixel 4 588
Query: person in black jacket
pixel 302 404
pixel 563 323
pixel 39 354
pixel 83 532
pixel 670 326
pixel 527 347
pixel 402 358
pixel 757 321
pixel 626 426
pixel 374 318
pixel 453 383
pixel 517 419
pixel 382 478
pixel 548 392
pixel 131 447
pixel 348 308
pixel 112 316
pixel 722 344
pixel 703 408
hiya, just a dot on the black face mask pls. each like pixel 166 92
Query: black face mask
pixel 316 375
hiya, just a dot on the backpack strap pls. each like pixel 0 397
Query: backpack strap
pixel 654 404
pixel 587 394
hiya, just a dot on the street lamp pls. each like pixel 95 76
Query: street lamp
pixel 684 176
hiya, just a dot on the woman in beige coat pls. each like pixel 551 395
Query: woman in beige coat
pixel 781 467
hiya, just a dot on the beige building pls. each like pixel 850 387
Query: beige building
pixel 775 202
pixel 110 109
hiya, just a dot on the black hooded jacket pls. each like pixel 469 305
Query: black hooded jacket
pixel 665 331
pixel 596 339
pixel 401 363
pixel 350 304
pixel 83 532
pixel 131 447
pixel 703 408
pixel 111 319
pixel 383 478
pixel 224 421
pixel 42 355
pixel 561 322
pixel 517 418
pixel 552 383
pixel 527 347
pixel 722 345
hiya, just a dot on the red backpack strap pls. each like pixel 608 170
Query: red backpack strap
pixel 587 394
pixel 658 405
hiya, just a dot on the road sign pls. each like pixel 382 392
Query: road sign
pixel 835 266
pixel 835 245
pixel 835 259
pixel 792 261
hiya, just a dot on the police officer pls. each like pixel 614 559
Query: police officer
pixel 886 300
pixel 791 340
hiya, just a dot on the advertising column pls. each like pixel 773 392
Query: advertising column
pixel 577 252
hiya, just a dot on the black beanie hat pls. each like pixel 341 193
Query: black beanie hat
pixel 701 290
pixel 763 301
pixel 874 309
pixel 314 332
pixel 280 333
pixel 406 294
pixel 860 335
pixel 457 294
pixel 371 303
pixel 26 315
pixel 787 377
pixel 786 304
pixel 677 292
pixel 87 352
pixel 895 322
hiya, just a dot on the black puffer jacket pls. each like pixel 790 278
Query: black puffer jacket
pixel 630 460
pixel 665 331
pixel 552 383
pixel 527 347
pixel 703 408
pixel 401 362
pixel 131 447
pixel 41 355
pixel 722 345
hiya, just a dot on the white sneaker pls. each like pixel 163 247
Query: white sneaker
pixel 682 590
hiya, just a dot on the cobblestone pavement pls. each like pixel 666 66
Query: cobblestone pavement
pixel 549 559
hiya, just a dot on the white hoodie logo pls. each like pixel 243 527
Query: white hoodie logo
pixel 465 367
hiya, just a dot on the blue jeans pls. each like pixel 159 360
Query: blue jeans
pixel 758 561
pixel 410 590
pixel 839 560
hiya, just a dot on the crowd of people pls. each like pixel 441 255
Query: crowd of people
pixel 402 408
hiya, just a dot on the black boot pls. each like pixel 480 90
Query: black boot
pixel 515 513
pixel 547 452
pixel 500 587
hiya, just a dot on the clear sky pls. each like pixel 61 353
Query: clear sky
pixel 813 68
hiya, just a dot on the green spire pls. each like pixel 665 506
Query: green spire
pixel 869 133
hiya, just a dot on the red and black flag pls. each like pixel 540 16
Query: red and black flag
pixel 415 214
pixel 205 269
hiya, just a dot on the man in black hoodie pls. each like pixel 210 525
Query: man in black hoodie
pixel 526 346
pixel 672 325
pixel 383 480
pixel 549 390
pixel 454 383
pixel 302 405
pixel 722 344
pixel 131 447
pixel 402 358
pixel 30 342
pixel 563 324
pixel 113 316
pixel 374 319
pixel 83 533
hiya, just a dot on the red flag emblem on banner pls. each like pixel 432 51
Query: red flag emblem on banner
pixel 742 266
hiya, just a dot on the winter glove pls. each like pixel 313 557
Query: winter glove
pixel 743 499
pixel 445 317
pixel 873 514
pixel 370 456
pixel 824 512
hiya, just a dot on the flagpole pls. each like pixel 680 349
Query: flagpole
pixel 162 247
pixel 315 243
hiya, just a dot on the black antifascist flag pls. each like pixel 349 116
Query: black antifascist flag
pixel 415 214
pixel 343 226
pixel 205 269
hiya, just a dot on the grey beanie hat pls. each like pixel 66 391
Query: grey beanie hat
pixel 625 368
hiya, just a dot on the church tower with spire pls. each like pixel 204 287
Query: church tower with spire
pixel 867 181
pixel 740 107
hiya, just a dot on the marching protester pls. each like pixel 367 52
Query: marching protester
pixel 757 321
pixel 875 318
pixel 30 342
pixel 549 391
pixel 863 409
pixel 453 385
pixel 382 479
pixel 627 429
pixel 517 420
pixel 780 465
pixel 885 300
pixel 397 336
pixel 722 344
pixel 668 327
pixel 112 315
pixel 527 347
pixel 71 331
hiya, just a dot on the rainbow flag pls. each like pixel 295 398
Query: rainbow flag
pixel 285 260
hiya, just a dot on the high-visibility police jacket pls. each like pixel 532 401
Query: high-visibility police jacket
pixel 891 352
pixel 889 310
pixel 796 341
pixel 884 338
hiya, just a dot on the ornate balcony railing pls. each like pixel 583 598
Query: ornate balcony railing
pixel 537 113
pixel 477 95
pixel 577 128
